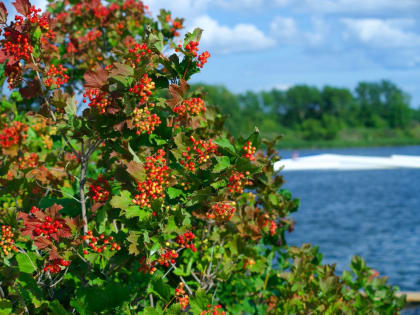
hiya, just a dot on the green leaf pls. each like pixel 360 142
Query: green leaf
pixel 5 307
pixel 200 301
pixel 194 36
pixel 135 157
pixel 152 311
pixel 223 162
pixel 26 262
pixel 160 288
pixel 123 201
pixel 174 192
pixel 225 144
pixel 135 211
pixel 70 108
pixel 157 41
pixel 133 238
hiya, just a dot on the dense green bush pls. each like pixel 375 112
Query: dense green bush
pixel 134 199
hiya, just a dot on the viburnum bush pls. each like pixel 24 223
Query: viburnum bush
pixel 122 194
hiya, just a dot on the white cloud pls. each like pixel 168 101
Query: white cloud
pixel 239 38
pixel 382 33
pixel 351 6
pixel 284 28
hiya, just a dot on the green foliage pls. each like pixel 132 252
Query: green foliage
pixel 137 200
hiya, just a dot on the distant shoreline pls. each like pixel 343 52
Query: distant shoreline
pixel 336 144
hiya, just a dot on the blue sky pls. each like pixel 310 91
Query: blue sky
pixel 261 44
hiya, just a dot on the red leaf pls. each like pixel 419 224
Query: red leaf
pixel 31 89
pixel 42 242
pixel 54 254
pixel 22 6
pixel 177 92
pixel 95 79
pixel 3 13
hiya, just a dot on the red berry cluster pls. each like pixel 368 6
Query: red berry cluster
pixel 181 296
pixel 27 162
pixel 56 76
pixel 237 182
pixel 13 72
pixel 146 266
pixel 138 51
pixel 48 227
pixel 99 190
pixel 249 151
pixel 55 266
pixel 176 25
pixel 17 46
pixel 13 135
pixel 192 47
pixel 167 257
pixel 34 18
pixel 97 99
pixel 248 263
pixel 145 121
pixel 221 211
pixel 71 48
pixel 99 244
pixel 157 173
pixel 143 88
pixel 273 228
pixel 186 241
pixel 193 106
pixel 215 310
pixel 7 242
pixel 202 59
pixel 198 153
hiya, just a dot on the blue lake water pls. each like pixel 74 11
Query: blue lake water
pixel 374 214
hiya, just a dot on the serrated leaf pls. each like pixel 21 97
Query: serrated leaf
pixel 223 162
pixel 133 238
pixel 225 144
pixel 174 192
pixel 124 201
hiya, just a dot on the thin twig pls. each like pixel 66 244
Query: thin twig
pixel 151 300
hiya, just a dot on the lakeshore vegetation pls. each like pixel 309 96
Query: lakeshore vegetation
pixel 374 114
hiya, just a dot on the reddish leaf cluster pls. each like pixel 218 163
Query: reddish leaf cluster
pixel 221 211
pixel 44 226
pixel 99 244
pixel 7 242
pixel 186 241
pixel 157 173
pixel 198 153
pixel 249 151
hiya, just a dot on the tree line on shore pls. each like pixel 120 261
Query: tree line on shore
pixel 312 113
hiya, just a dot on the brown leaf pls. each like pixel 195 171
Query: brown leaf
pixel 177 92
pixel 42 242
pixel 53 211
pixel 3 13
pixel 31 89
pixel 95 79
pixel 119 126
pixel 121 69
pixel 112 110
pixel 136 170
pixel 96 206
pixel 22 6
pixel 54 254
